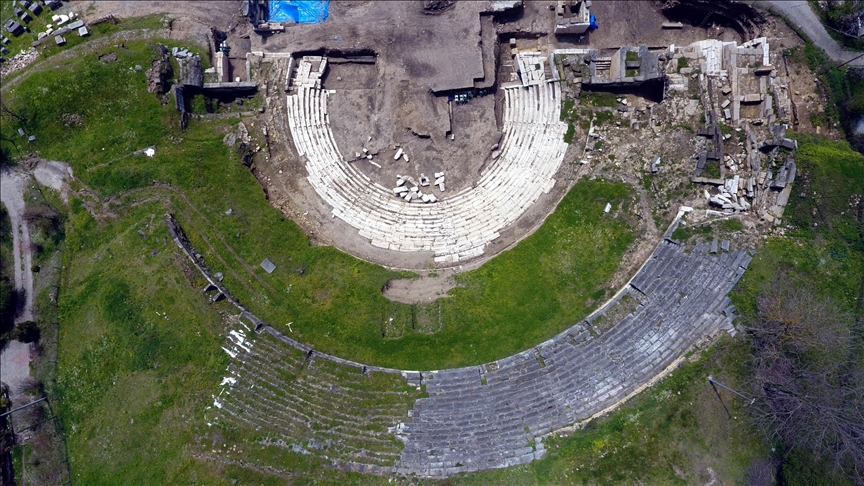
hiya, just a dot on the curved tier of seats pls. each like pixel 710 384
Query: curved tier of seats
pixel 493 416
pixel 478 417
pixel 313 406
pixel 458 226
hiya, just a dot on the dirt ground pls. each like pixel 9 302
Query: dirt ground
pixel 386 105
pixel 15 367
pixel 12 187
pixel 216 13
pixel 643 25
pixel 412 110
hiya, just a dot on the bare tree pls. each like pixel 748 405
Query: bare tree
pixel 806 367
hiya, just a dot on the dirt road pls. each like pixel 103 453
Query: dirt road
pixel 12 195
pixel 15 368
pixel 801 14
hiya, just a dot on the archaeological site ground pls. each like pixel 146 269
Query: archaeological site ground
pixel 431 242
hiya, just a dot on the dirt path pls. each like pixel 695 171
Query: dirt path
pixel 420 290
pixel 12 195
pixel 15 367
pixel 801 14
pixel 53 174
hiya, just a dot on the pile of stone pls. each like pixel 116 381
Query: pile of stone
pixel 785 176
pixel 439 180
pixel 181 53
pixel 367 154
pixel 728 194
pixel 414 193
pixel 19 61
pixel 400 153
pixel 60 21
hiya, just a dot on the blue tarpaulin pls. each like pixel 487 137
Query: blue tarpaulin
pixel 298 11
pixel 593 25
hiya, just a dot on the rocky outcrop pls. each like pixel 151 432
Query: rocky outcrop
pixel 160 73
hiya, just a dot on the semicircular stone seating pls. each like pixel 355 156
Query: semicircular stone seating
pixel 457 227
pixel 374 420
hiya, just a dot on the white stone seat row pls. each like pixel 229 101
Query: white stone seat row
pixel 457 227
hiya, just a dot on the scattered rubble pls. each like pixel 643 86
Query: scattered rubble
pixel 159 74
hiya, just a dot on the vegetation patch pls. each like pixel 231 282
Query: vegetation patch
pixel 843 88
pixel 598 98
pixel 820 266
pixel 7 287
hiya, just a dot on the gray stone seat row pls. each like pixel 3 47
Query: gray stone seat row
pixel 478 426
pixel 297 401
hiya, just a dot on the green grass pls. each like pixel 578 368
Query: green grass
pixel 631 56
pixel 599 98
pixel 18 455
pixel 711 170
pixel 139 360
pixel 722 229
pixel 684 232
pixel 824 247
pixel 682 63
pixel 601 117
pixel 567 109
pixel 570 133
pixel 121 119
pixel 7 310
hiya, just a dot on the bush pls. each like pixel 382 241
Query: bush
pixel 571 132
pixel 26 332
